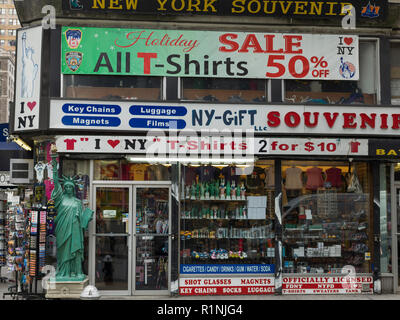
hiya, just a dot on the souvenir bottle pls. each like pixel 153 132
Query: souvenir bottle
pixel 238 192
pixel 207 191
pixel 243 191
pixel 233 190
pixel 202 190
pixel 211 188
pixel 193 191
pixel 222 189
pixel 216 189
pixel 241 212
pixel 187 193
pixel 228 190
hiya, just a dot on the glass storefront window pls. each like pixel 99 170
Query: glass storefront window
pixel 224 90
pixel 363 91
pixel 385 218
pixel 112 229
pixel 326 217
pixel 227 216
pixel 112 87
pixel 112 209
pixel 80 169
pixel 395 72
pixel 125 170
pixel 112 263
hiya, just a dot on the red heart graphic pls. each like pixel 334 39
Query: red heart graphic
pixel 113 143
pixel 31 105
pixel 348 41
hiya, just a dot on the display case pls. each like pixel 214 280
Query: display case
pixel 326 228
pixel 223 220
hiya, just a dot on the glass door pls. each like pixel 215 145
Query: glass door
pixel 152 240
pixel 397 237
pixel 112 239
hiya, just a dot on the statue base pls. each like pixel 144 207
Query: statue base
pixel 58 289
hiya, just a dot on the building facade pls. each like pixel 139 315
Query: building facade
pixel 236 147
pixel 9 23
pixel 7 61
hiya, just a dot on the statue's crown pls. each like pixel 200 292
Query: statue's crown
pixel 69 180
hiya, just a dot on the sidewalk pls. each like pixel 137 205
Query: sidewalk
pixel 4 289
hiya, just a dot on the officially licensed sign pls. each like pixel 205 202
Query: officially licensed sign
pixel 195 117
pixel 257 8
pixel 152 145
pixel 327 285
pixel 183 53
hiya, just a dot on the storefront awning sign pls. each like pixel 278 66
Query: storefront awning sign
pixel 196 117
pixel 238 8
pixel 384 148
pixel 210 147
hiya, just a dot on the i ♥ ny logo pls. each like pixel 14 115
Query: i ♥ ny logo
pixel 348 41
pixel 113 143
pixel 31 105
pixel 345 46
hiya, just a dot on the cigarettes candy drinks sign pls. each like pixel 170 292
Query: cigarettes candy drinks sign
pixel 226 286
pixel 145 116
pixel 327 285
pixel 114 51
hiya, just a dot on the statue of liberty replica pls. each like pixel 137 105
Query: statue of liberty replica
pixel 71 220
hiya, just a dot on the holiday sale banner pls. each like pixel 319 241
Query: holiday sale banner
pixel 182 53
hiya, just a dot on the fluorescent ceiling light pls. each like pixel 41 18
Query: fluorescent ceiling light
pixel 193 160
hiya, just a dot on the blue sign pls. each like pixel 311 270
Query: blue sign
pixel 226 268
pixel 4 132
pixel 145 110
pixel 78 108
pixel 152 123
pixel 91 121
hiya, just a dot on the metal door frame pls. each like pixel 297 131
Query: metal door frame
pixel 132 186
pixel 93 235
pixel 150 184
pixel 395 237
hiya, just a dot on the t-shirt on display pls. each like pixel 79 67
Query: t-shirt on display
pixel 269 177
pixel 293 179
pixel 314 178
pixel 334 176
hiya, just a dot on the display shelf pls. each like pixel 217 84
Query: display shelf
pixel 225 219
pixel 215 200
pixel 230 238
